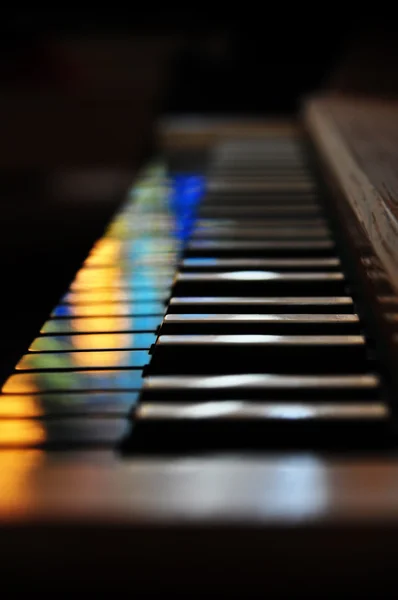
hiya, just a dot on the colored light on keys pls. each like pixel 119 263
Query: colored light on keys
pixel 102 325
pixel 21 433
pixel 19 406
pixel 66 404
pixel 111 309
pixel 94 341
pixel 73 381
pixel 113 296
pixel 100 359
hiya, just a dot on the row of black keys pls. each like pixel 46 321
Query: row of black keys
pixel 281 359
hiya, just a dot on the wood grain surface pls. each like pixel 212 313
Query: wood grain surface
pixel 359 140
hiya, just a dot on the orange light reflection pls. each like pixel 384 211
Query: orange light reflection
pixel 21 432
pixel 19 406
pixel 18 469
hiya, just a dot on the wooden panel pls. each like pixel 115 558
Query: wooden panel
pixel 359 141
pixel 101 487
pixel 259 526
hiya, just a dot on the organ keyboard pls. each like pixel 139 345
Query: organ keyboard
pixel 212 365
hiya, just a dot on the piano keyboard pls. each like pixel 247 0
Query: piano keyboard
pixel 214 314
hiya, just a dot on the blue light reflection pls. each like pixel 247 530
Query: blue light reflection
pixel 186 192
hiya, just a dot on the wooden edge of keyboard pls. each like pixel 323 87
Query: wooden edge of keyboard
pixel 92 521
pixel 99 488
pixel 358 141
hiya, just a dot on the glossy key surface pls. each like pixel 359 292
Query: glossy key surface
pixel 264 387
pixel 70 404
pixel 64 432
pixel 267 264
pixel 230 353
pixel 259 281
pixel 112 309
pixel 106 296
pixel 99 359
pixel 92 341
pixel 260 323
pixel 102 325
pixel 73 381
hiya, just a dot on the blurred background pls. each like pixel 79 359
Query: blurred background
pixel 82 91
pixel 91 83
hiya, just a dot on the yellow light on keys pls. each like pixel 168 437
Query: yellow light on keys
pixel 27 386
pixel 83 360
pixel 92 341
pixel 19 406
pixel 19 469
pixel 21 432
pixel 107 250
pixel 106 277
pixel 98 325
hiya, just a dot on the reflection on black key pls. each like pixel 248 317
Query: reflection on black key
pixel 251 410
pixel 255 248
pixel 267 264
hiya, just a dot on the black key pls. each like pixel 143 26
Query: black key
pixel 236 223
pixel 259 305
pixel 278 353
pixel 247 185
pixel 271 173
pixel 250 211
pixel 261 233
pixel 261 199
pixel 268 264
pixel 254 323
pixel 262 283
pixel 262 387
pixel 257 249
pixel 244 426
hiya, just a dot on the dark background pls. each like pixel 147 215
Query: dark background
pixel 242 60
